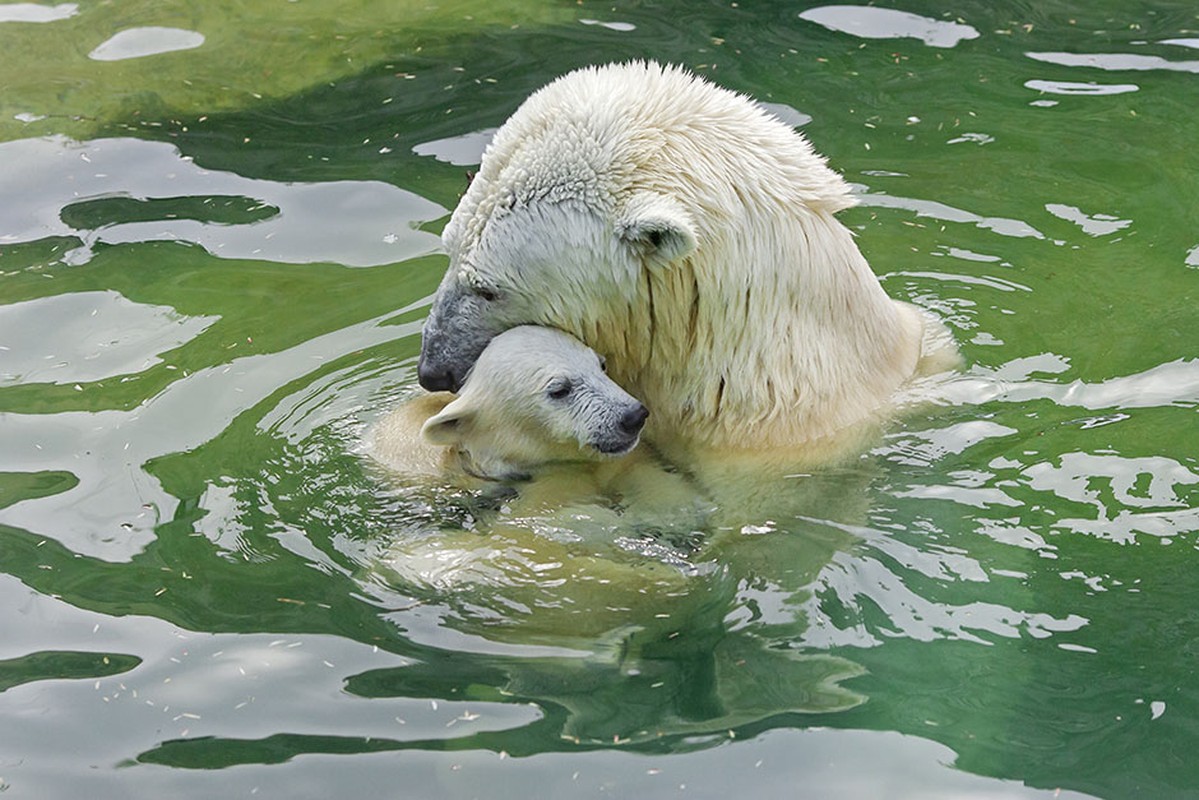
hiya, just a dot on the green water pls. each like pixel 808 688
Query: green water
pixel 214 263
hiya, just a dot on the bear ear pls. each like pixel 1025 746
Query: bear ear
pixel 448 426
pixel 657 227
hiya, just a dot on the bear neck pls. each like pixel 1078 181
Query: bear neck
pixel 768 340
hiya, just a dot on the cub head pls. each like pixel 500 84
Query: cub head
pixel 536 395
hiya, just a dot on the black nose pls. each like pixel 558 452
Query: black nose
pixel 436 380
pixel 634 419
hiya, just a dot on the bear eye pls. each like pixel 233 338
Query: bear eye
pixel 559 389
pixel 482 290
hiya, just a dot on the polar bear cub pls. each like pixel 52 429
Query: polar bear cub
pixel 535 397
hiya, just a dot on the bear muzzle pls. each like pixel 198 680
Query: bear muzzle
pixel 626 434
pixel 437 378
pixel 634 420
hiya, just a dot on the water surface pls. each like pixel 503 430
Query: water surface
pixel 217 245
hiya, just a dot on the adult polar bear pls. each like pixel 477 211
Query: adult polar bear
pixel 689 237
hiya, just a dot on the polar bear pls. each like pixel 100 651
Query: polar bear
pixel 690 238
pixel 536 396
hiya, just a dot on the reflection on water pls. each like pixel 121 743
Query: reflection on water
pixel 1073 87
pixel 1164 385
pixel 113 509
pixel 141 42
pixel 941 211
pixel 87 336
pixel 55 187
pixel 34 12
pixel 1116 62
pixel 1129 495
pixel 1091 224
pixel 886 23
pixel 464 150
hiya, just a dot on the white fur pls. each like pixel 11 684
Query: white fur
pixel 687 235
pixel 506 422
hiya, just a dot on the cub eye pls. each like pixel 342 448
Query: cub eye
pixel 603 364
pixel 559 389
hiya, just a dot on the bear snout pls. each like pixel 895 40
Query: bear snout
pixel 634 419
pixel 437 379
pixel 624 433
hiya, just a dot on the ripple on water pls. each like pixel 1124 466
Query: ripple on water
pixel 88 336
pixel 1116 62
pixel 869 22
pixel 35 12
pixel 1075 88
pixel 117 191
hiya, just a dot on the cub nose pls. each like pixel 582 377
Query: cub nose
pixel 634 419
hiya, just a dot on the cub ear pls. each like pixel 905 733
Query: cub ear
pixel 448 426
pixel 657 227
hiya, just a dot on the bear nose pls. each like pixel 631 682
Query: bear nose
pixel 436 380
pixel 634 419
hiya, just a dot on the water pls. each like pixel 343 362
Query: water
pixel 217 243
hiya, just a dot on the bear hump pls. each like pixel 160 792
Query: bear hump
pixel 645 118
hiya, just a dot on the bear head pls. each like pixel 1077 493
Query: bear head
pixel 535 396
pixel 551 231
